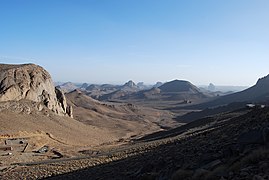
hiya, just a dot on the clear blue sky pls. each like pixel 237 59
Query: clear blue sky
pixel 225 42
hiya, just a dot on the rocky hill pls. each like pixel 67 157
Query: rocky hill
pixel 118 92
pixel 258 92
pixel 84 86
pixel 158 84
pixel 108 92
pixel 255 94
pixel 130 84
pixel 179 86
pixel 67 87
pixel 176 90
pixel 31 82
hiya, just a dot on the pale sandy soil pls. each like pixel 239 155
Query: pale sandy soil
pixel 96 125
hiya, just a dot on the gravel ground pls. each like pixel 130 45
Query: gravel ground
pixel 212 151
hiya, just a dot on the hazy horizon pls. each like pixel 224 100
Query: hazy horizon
pixel 219 42
pixel 147 84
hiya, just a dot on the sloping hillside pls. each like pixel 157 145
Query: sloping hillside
pixel 22 117
pixel 255 94
pixel 120 119
pixel 229 146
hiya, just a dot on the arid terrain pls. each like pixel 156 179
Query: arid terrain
pixel 134 89
pixel 173 131
pixel 65 124
pixel 229 146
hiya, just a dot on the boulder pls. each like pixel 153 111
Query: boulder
pixel 31 82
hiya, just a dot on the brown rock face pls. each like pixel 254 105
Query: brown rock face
pixel 31 82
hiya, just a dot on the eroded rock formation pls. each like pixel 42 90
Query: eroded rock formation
pixel 34 83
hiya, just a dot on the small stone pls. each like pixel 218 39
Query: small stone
pixel 39 107
pixel 231 173
pixel 257 177
pixel 244 174
pixel 264 167
pixel 199 173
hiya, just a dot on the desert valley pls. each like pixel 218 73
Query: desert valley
pixel 172 130
pixel 134 90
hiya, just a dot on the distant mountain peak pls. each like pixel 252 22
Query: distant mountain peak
pixel 158 84
pixel 211 87
pixel 84 86
pixel 67 87
pixel 92 87
pixel 179 86
pixel 67 83
pixel 130 84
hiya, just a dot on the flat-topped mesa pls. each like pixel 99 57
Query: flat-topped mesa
pixel 34 83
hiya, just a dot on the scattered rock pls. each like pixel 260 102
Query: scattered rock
pixel 257 177
pixel 256 136
pixel 212 164
pixel 200 173
pixel 264 167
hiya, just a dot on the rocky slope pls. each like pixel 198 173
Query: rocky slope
pixel 259 93
pixel 227 146
pixel 31 82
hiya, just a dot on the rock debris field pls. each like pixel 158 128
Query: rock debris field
pixel 226 146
